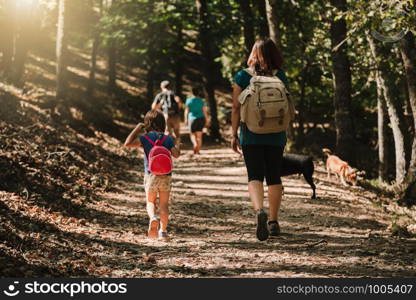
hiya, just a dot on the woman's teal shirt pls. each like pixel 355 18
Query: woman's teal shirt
pixel 247 137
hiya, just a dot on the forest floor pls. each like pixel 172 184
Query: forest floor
pixel 213 233
pixel 345 232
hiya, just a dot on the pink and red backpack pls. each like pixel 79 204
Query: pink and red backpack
pixel 160 158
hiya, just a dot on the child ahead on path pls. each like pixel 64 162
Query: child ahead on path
pixel 155 185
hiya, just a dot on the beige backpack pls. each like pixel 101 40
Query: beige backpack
pixel 265 106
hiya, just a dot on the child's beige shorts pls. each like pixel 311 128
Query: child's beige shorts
pixel 154 184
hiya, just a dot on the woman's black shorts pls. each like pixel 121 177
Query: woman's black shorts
pixel 263 161
pixel 197 125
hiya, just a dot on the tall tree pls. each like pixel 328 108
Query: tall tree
pixel 27 25
pixel 381 132
pixel 342 85
pixel 272 7
pixel 262 19
pixel 209 66
pixel 112 56
pixel 248 24
pixel 383 69
pixel 408 52
pixel 179 61
pixel 7 38
pixel 94 52
pixel 61 51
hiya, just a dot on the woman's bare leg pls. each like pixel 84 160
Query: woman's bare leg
pixel 194 142
pixel 256 192
pixel 275 199
pixel 199 135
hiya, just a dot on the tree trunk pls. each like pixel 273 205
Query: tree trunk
pixel 384 80
pixel 273 21
pixel 150 79
pixel 342 87
pixel 112 72
pixel 179 63
pixel 61 52
pixel 94 52
pixel 24 41
pixel 408 51
pixel 7 38
pixel 263 25
pixel 382 133
pixel 248 24
pixel 301 110
pixel 209 65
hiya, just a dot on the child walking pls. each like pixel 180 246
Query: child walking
pixel 155 185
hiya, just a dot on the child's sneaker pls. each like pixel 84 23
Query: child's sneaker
pixel 262 232
pixel 153 228
pixel 163 235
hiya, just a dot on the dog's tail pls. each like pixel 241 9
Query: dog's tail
pixel 327 151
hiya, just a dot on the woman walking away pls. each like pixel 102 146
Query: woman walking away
pixel 157 168
pixel 196 117
pixel 262 110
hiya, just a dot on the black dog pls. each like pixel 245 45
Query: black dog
pixel 299 164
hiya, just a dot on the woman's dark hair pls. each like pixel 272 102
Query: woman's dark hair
pixel 154 120
pixel 197 91
pixel 265 57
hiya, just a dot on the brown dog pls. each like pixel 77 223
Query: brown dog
pixel 341 168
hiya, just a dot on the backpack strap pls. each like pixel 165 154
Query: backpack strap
pixel 160 141
pixel 149 140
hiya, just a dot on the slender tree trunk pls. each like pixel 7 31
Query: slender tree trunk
pixel 382 133
pixel 7 39
pixel 61 52
pixel 383 70
pixel 342 87
pixel 94 52
pixel 301 110
pixel 150 79
pixel 209 65
pixel 262 22
pixel 408 51
pixel 272 7
pixel 248 24
pixel 112 56
pixel 179 62
pixel 24 40
pixel 112 72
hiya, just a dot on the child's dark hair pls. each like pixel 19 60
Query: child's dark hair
pixel 154 120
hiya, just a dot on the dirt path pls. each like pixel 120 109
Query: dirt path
pixel 212 229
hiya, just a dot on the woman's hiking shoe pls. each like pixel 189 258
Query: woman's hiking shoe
pixel 153 228
pixel 274 228
pixel 262 232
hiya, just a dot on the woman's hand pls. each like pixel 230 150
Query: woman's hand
pixel 235 145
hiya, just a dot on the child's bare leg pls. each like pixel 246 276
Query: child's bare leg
pixel 151 204
pixel 164 210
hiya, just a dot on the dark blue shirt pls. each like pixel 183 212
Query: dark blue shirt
pixel 147 146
